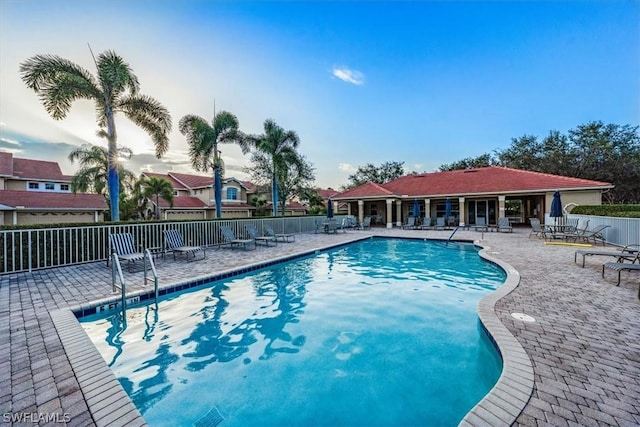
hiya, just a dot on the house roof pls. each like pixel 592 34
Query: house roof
pixel 489 180
pixel 193 181
pixel 177 185
pixel 31 169
pixel 326 193
pixel 52 200
pixel 182 202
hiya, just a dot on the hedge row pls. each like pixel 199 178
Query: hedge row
pixel 624 211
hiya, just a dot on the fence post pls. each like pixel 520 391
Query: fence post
pixel 30 251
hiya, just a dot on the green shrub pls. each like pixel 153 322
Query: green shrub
pixel 624 211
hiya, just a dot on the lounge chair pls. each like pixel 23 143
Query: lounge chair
pixel 537 229
pixel 122 245
pixel 440 225
pixel 481 225
pixel 426 224
pixel 586 235
pixel 268 230
pixel 175 243
pixel 252 231
pixel 505 225
pixel 633 265
pixel 411 223
pixel 331 226
pixel 229 238
pixel 628 252
pixel 366 223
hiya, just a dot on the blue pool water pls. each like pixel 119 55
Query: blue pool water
pixel 379 332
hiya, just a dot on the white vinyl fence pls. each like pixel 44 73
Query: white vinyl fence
pixel 621 231
pixel 32 249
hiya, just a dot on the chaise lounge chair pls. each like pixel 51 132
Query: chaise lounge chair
pixel 175 242
pixel 537 229
pixel 366 223
pixel 410 224
pixel 252 231
pixel 595 234
pixel 624 266
pixel 229 238
pixel 284 237
pixel 481 225
pixel 626 253
pixel 505 225
pixel 122 245
pixel 440 223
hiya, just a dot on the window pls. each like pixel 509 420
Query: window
pixel 232 193
pixel 49 186
pixel 175 192
pixel 64 187
pixel 33 186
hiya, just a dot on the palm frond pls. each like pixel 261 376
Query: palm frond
pixel 150 115
pixel 201 139
pixel 116 76
pixel 58 82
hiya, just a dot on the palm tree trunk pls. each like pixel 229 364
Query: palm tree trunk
pixel 113 181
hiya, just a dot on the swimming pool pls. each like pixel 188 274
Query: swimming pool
pixel 379 332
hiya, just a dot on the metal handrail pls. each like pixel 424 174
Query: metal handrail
pixel 149 257
pixel 116 270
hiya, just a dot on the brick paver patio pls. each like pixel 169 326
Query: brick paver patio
pixel 584 345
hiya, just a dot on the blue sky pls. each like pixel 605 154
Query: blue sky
pixel 425 83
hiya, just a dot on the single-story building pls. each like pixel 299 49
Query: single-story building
pixel 490 193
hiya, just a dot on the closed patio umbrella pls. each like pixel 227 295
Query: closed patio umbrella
pixel 416 209
pixel 556 207
pixel 447 210
pixel 329 209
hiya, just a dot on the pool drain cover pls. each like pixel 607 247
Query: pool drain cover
pixel 523 317
pixel 210 419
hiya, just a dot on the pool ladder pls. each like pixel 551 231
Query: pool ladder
pixel 117 276
pixel 454 232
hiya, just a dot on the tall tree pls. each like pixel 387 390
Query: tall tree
pixel 58 82
pixel 154 187
pixel 481 161
pixel 94 167
pixel 203 140
pixel 377 174
pixel 278 146
pixel 294 177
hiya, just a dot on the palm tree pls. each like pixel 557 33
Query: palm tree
pixel 58 82
pixel 203 140
pixel 158 187
pixel 94 166
pixel 279 146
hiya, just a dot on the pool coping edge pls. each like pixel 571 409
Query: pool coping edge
pixel 511 393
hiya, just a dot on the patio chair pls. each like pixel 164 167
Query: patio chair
pixel 633 265
pixel 505 225
pixel 426 224
pixel 331 227
pixel 481 224
pixel 122 245
pixel 410 224
pixel 175 242
pixel 366 223
pixel 252 231
pixel 595 234
pixel 537 229
pixel 229 238
pixel 268 230
pixel 440 223
pixel 628 252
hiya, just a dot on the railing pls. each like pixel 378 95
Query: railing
pixel 116 273
pixel 34 249
pixel 621 231
pixel 148 258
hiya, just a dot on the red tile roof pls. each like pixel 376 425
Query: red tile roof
pixel 52 200
pixel 369 189
pixel 489 180
pixel 326 193
pixel 182 202
pixel 193 181
pixel 174 183
pixel 6 164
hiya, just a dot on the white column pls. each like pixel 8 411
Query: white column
pixel 501 212
pixel 360 211
pixel 389 213
pixel 399 213
pixel 461 211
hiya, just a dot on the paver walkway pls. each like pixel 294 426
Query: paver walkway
pixel 584 344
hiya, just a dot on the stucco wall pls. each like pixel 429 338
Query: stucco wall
pixel 25 218
pixel 15 185
pixel 592 197
pixel 182 215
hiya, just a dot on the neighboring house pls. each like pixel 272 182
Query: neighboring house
pixel 37 192
pixel 193 197
pixel 490 193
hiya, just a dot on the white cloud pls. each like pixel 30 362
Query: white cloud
pixel 347 167
pixel 347 75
